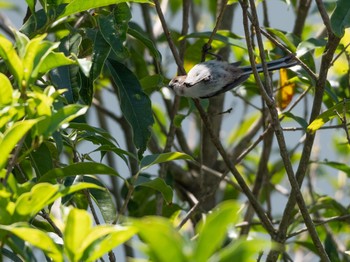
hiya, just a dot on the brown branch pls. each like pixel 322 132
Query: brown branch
pixel 302 12
pixel 280 137
pixel 257 207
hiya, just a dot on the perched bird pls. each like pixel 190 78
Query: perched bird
pixel 214 77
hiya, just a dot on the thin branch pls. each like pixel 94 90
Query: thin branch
pixel 207 46
pixel 281 140
pixel 318 222
pixel 257 207
pixel 169 39
pixel 13 160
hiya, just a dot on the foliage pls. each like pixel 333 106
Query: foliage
pixel 95 153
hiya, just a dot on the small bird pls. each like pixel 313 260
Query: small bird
pixel 214 77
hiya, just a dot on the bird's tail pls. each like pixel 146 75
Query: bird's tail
pixel 285 62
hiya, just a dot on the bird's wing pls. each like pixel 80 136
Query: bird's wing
pixel 229 86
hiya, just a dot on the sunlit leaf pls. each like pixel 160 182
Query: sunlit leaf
pixel 160 235
pixel 65 115
pixel 78 227
pixel 30 203
pixel 54 60
pixel 6 90
pixel 151 160
pixel 212 230
pixel 11 137
pixel 329 114
pixel 77 6
pixel 9 54
pixel 246 250
pixel 110 237
pixel 36 238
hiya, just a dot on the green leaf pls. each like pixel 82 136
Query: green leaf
pixel 77 187
pixel 78 227
pixel 6 91
pixel 160 235
pixel 11 137
pixel 301 121
pixel 99 56
pixel 309 45
pixel 331 249
pixel 35 50
pixel 328 115
pixel 152 83
pixel 30 203
pixel 9 54
pixel 223 36
pixel 42 160
pixel 340 19
pixel 238 132
pixel 36 238
pixel 103 200
pixel 81 168
pixel 159 185
pixel 135 104
pixel 77 6
pixel 212 230
pixel 283 37
pixel 136 31
pixel 54 60
pixel 114 33
pixel 151 160
pixel 113 236
pixel 63 116
pixel 340 166
pixel 246 250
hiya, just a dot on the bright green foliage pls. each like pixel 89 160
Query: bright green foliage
pixel 146 174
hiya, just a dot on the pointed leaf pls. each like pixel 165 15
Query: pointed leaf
pixel 212 231
pixel 80 168
pixel 103 200
pixel 11 137
pixel 6 90
pixel 286 90
pixel 136 31
pixel 301 121
pixel 340 166
pixel 36 238
pixel 30 203
pixel 159 185
pixel 9 54
pixel 54 60
pixel 340 18
pixel 63 116
pixel 77 6
pixel 113 236
pixel 328 115
pixel 78 227
pixel 151 160
pixel 135 104
pixel 160 235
